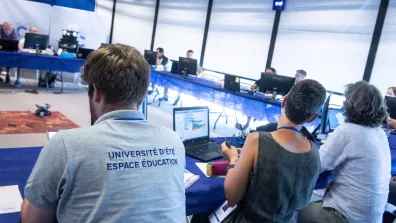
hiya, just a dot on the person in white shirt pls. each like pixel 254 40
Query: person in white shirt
pixel 21 44
pixel 358 154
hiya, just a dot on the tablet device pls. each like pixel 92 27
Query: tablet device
pixel 50 134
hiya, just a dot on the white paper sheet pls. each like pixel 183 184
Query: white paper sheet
pixel 10 199
pixel 189 179
pixel 221 213
pixel 202 167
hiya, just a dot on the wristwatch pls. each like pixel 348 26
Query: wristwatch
pixel 230 167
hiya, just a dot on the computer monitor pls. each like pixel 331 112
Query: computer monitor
pixel 9 45
pixel 187 66
pixel 391 104
pixel 269 82
pixel 332 114
pixel 36 41
pixel 191 124
pixel 151 57
pixel 83 53
pixel 175 66
pixel 232 83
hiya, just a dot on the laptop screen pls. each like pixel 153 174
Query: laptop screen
pixel 192 123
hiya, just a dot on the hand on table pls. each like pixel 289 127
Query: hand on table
pixel 254 86
pixel 230 154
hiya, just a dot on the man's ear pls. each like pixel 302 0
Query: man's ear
pixel 313 118
pixel 97 95
pixel 284 101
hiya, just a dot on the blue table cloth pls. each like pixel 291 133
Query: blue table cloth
pixel 255 106
pixel 203 196
pixel 40 62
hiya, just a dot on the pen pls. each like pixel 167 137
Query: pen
pixel 227 143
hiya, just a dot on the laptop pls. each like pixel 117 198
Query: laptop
pixel 9 45
pixel 232 83
pixel 83 53
pixel 192 125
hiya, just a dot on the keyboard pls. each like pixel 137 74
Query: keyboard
pixel 204 148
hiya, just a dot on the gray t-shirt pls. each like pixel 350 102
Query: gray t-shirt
pixel 122 169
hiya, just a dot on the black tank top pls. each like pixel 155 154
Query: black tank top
pixel 281 184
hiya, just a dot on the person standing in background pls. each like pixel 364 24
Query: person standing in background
pixel 7 31
pixel 358 155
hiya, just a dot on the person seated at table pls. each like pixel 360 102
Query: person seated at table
pixel 121 169
pixel 200 72
pixel 162 60
pixel 269 70
pixel 358 153
pixel 391 91
pixel 7 31
pixel 275 174
pixel 21 44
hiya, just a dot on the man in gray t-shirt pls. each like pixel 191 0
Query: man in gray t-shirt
pixel 121 169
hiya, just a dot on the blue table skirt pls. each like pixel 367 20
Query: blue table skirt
pixel 203 196
pixel 40 62
pixel 255 106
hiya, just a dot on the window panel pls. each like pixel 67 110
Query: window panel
pixel 239 37
pixel 133 23
pixel 383 75
pixel 329 39
pixel 180 27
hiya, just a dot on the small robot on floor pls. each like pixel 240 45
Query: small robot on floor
pixel 43 110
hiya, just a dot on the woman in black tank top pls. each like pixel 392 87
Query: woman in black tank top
pixel 276 172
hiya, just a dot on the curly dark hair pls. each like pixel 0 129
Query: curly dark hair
pixel 364 105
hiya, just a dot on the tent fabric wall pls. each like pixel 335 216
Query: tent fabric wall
pixel 24 14
pixel 88 5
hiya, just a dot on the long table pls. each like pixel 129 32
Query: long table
pixel 203 196
pixel 41 62
pixel 256 106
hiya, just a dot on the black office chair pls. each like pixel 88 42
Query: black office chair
pixel 390 217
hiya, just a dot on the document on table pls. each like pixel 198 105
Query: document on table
pixel 10 199
pixel 221 213
pixel 189 179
